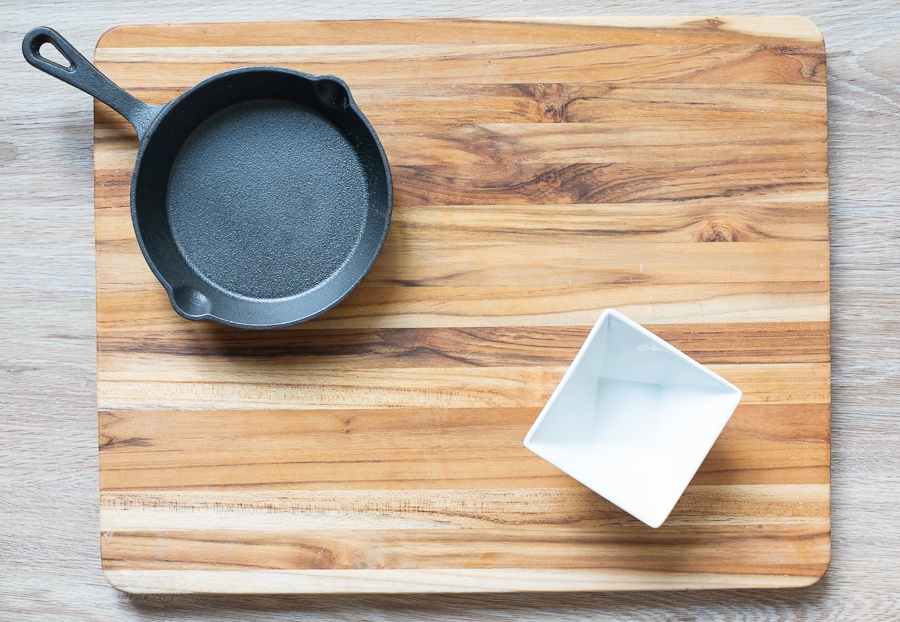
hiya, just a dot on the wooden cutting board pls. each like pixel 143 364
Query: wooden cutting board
pixel 544 170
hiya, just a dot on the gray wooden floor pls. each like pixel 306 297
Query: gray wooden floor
pixel 49 543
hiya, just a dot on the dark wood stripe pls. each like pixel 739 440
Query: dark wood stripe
pixel 787 342
pixel 540 184
pixel 692 145
pixel 547 185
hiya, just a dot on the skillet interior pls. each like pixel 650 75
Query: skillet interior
pixel 261 198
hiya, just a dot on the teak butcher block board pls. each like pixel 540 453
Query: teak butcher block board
pixel 544 170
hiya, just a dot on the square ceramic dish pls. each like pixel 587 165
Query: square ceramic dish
pixel 633 418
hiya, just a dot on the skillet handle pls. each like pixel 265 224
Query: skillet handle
pixel 83 75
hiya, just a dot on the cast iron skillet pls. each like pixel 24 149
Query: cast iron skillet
pixel 260 197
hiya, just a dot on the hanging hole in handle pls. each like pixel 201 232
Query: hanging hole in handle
pixel 50 53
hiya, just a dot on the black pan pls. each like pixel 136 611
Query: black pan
pixel 260 197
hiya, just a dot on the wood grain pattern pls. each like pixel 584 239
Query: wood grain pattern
pixel 408 448
pixel 543 171
pixel 555 102
pixel 246 510
pixel 777 549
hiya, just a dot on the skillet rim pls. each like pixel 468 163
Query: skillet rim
pixel 165 110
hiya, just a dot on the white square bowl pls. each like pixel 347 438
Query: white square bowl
pixel 633 418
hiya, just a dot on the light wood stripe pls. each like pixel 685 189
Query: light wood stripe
pixel 601 143
pixel 432 307
pixel 734 107
pixel 140 431
pixel 352 53
pixel 450 580
pixel 586 29
pixel 161 382
pixel 768 26
pixel 750 64
pixel 598 264
pixel 783 549
pixel 560 265
pixel 512 144
pixel 413 448
pixel 563 265
pixel 794 218
pixel 303 510
pixel 593 255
